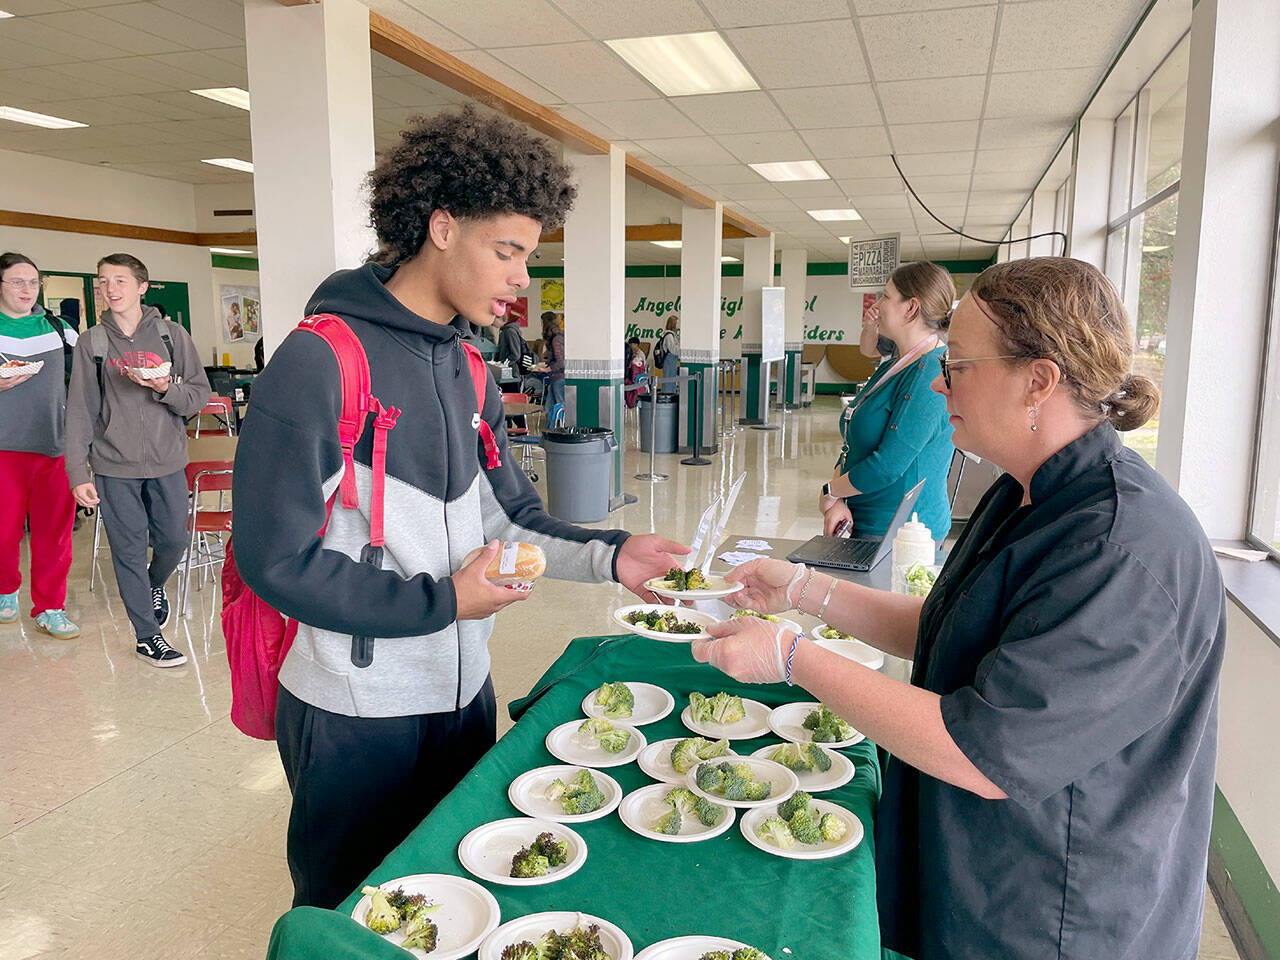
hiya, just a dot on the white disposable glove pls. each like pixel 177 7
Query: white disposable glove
pixel 768 586
pixel 748 649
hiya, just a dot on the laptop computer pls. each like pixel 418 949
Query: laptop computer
pixel 856 553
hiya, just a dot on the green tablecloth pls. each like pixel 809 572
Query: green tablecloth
pixel 791 909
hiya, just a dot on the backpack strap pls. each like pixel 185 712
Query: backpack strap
pixel 97 335
pixel 480 381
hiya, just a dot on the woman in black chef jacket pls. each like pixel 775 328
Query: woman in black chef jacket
pixel 1050 783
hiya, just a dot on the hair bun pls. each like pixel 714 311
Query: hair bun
pixel 1134 403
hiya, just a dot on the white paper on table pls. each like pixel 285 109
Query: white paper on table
pixel 1239 553
pixel 753 545
pixel 737 557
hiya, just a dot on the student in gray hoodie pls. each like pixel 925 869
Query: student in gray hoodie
pixel 129 431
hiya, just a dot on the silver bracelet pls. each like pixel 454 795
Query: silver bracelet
pixel 822 610
pixel 803 589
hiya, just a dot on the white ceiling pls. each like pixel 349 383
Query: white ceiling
pixel 973 97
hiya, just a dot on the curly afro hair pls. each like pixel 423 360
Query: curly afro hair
pixel 470 165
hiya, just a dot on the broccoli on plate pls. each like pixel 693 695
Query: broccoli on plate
pixel 797 801
pixel 529 863
pixel 615 699
pixel 547 845
pixel 381 917
pixel 774 830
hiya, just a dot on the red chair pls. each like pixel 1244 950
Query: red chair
pixel 222 410
pixel 205 526
pixel 516 426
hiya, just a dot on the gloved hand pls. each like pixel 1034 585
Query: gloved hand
pixel 748 649
pixel 768 586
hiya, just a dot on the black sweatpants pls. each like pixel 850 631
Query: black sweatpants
pixel 362 784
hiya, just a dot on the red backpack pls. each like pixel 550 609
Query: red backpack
pixel 258 637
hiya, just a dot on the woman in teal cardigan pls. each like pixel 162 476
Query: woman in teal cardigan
pixel 896 431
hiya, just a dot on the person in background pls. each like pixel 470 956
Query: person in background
pixel 666 355
pixel 635 367
pixel 552 358
pixel 872 344
pixel 895 429
pixel 33 482
pixel 129 430
pixel 1050 782
pixel 512 350
pixel 259 354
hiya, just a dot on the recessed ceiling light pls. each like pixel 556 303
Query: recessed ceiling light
pixel 230 250
pixel 840 213
pixel 5 14
pixel 37 119
pixel 684 64
pixel 791 170
pixel 231 163
pixel 845 239
pixel 669 244
pixel 730 260
pixel 231 96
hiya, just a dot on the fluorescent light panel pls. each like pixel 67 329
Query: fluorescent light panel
pixel 840 213
pixel 684 64
pixel 37 119
pixel 669 244
pixel 231 250
pixel 231 163
pixel 231 96
pixel 791 170
pixel 5 14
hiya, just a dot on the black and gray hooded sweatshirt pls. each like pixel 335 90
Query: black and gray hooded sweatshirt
pixel 441 502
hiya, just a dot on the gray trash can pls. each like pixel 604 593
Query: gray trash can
pixel 668 405
pixel 579 468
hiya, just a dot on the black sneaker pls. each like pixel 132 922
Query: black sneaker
pixel 157 652
pixel 160 605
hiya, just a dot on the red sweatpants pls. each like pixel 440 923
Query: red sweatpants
pixel 34 489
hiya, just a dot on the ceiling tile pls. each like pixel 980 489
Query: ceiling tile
pixel 760 190
pixel 15 54
pixel 224 15
pixel 215 71
pixel 950 163
pixel 577 72
pixel 765 147
pixel 803 190
pixel 494 23
pixel 63 44
pixel 151 18
pixel 851 142
pixel 720 174
pixel 638 119
pixel 802 54
pixel 586 121
pixel 939 43
pixel 27 8
pixel 776 204
pixel 869 186
pixel 1096 32
pixel 747 13
pixel 609 20
pixel 932 100
pixel 846 105
pixel 858 167
pixel 417 20
pixel 934 137
pixel 1023 180
pixel 1045 93
pixel 109 35
pixel 1029 159
pixel 503 73
pixel 750 112
pixel 930 186
pixel 1022 132
pixel 686 150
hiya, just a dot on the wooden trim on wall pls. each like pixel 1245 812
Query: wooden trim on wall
pixel 126 231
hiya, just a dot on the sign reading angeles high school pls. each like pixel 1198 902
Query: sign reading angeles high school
pixel 871 262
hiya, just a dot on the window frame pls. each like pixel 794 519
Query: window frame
pixel 1266 373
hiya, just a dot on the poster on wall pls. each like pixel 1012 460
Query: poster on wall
pixel 871 262
pixel 241 312
pixel 519 311
pixel 772 322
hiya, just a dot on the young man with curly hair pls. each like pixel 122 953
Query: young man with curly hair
pixel 374 731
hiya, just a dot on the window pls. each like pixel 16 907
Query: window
pixel 1146 172
pixel 1264 513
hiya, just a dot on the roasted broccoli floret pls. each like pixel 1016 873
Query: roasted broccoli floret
pixel 748 953
pixel 616 699
pixel 710 777
pixel 684 755
pixel 792 756
pixel 820 757
pixel 614 741
pixel 556 851
pixel 699 708
pixel 548 946
pixel 381 917
pixel 726 708
pixel 556 790
pixel 775 831
pixel 797 801
pixel 707 812
pixel 682 799
pixel 826 726
pixel 422 933
pixel 595 726
pixel 716 955
pixel 524 950
pixel 529 863
pixel 582 943
pixel 804 826
pixel 707 749
pixel 832 827
pixel 669 823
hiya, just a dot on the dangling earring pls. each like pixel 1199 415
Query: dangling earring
pixel 1034 413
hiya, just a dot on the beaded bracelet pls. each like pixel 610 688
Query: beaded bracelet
pixel 803 590
pixel 794 641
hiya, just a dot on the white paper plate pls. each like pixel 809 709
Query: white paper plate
pixel 816 781
pixel 527 793
pixel 655 760
pixel 641 808
pixel 468 912
pixel 754 724
pixel 530 927
pixel 563 744
pixel 719 588
pixel 652 704
pixel 688 948
pixel 152 373
pixel 785 783
pixel 752 819
pixel 854 650
pixel 487 850
pixel 787 721
pixel 782 622
pixel 22 370
pixel 704 620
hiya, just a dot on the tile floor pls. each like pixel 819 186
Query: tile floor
pixel 136 822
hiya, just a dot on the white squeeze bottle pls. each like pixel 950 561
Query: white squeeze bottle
pixel 913 544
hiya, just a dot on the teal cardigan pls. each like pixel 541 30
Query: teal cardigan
pixel 898 437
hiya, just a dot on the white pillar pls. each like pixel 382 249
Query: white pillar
pixel 1091 184
pixel 795 268
pixel 757 272
pixel 1222 262
pixel 312 126
pixel 594 298
pixel 701 234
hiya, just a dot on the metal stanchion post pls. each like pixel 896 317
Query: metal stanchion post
pixel 734 375
pixel 653 476
pixel 767 368
pixel 697 460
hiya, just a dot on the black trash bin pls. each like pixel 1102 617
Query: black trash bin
pixel 579 470
pixel 668 406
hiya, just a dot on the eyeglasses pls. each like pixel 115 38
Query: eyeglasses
pixel 947 363
pixel 25 284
